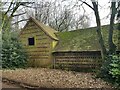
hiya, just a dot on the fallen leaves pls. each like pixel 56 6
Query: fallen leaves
pixel 52 78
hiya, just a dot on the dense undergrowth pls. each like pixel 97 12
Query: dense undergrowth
pixel 13 55
pixel 111 70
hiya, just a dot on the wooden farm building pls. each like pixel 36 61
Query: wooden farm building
pixel 73 49
pixel 39 41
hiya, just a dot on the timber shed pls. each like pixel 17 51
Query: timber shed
pixel 39 41
pixel 73 49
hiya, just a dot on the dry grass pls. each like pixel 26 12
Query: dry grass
pixel 51 78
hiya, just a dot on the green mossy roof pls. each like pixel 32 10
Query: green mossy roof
pixel 83 39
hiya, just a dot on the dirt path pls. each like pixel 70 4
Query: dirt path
pixel 6 85
pixel 13 86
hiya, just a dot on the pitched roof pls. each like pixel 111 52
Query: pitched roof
pixel 83 39
pixel 48 30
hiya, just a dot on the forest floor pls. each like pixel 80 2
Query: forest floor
pixel 53 78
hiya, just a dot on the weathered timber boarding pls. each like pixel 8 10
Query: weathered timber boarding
pixel 38 42
pixel 80 60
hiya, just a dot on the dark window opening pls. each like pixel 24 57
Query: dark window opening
pixel 31 41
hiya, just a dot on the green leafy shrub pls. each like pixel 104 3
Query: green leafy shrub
pixel 13 55
pixel 110 70
pixel 115 69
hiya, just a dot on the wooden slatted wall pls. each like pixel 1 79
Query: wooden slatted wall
pixel 40 53
pixel 79 61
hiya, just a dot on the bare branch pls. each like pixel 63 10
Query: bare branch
pixel 87 4
pixel 20 21
pixel 19 14
pixel 9 7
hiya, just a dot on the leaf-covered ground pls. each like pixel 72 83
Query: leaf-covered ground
pixel 8 85
pixel 52 78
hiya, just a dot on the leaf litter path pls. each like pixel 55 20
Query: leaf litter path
pixel 52 78
pixel 8 85
pixel 11 86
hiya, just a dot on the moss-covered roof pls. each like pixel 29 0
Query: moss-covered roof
pixel 83 39
pixel 48 30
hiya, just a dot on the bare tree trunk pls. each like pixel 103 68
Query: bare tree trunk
pixel 112 46
pixel 100 38
pixel 118 16
pixel 119 38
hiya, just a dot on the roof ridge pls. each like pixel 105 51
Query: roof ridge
pixel 50 33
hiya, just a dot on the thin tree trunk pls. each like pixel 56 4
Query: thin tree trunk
pixel 118 36
pixel 100 38
pixel 112 46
